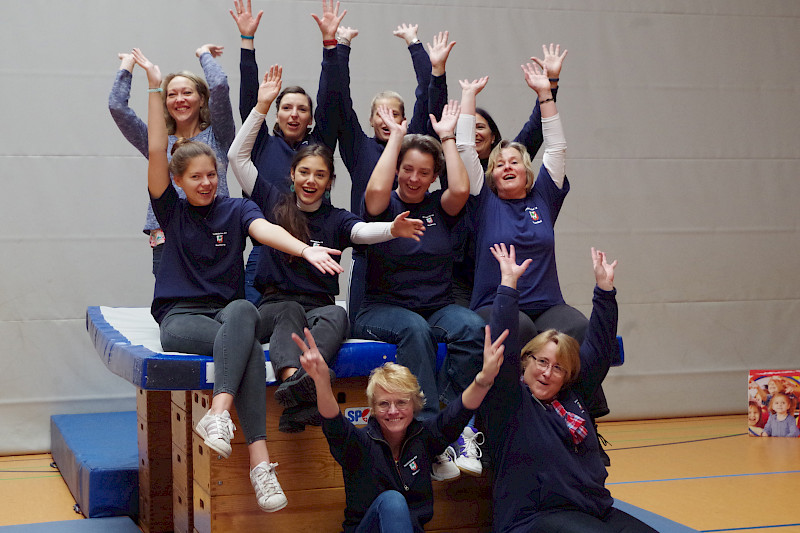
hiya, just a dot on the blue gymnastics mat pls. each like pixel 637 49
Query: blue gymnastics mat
pixel 98 457
pixel 657 522
pixel 119 524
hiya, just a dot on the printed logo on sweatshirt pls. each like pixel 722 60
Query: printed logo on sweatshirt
pixel 534 214
pixel 428 220
pixel 413 466
pixel 315 243
pixel 220 238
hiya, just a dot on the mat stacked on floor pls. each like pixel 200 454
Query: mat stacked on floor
pixel 98 458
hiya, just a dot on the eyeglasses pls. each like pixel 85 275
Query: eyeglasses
pixel 384 405
pixel 543 365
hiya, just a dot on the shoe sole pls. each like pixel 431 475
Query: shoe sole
pixel 467 471
pixel 294 393
pixel 276 509
pixel 439 478
pixel 295 419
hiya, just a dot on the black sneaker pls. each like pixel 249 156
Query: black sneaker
pixel 298 389
pixel 295 419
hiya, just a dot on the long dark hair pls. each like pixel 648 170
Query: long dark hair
pixel 492 125
pixel 294 89
pixel 287 214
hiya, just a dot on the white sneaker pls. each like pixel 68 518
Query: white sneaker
pixel 443 466
pixel 469 452
pixel 269 493
pixel 217 432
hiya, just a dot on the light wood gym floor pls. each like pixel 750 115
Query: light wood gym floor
pixel 703 472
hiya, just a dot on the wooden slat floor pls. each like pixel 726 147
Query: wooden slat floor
pixel 704 472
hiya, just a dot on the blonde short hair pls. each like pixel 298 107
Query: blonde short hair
pixel 395 379
pixel 526 161
pixel 387 95
pixel 567 352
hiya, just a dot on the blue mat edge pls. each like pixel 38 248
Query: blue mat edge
pixel 657 522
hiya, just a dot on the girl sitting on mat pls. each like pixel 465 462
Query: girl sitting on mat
pixel 197 300
pixel 548 472
pixel 294 296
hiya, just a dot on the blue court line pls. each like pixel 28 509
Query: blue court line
pixel 703 477
pixel 748 528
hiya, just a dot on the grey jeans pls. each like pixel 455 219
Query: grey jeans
pixel 230 335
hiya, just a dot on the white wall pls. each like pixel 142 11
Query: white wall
pixel 682 124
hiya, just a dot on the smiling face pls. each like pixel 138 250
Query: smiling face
pixel 294 116
pixel 544 384
pixel 414 176
pixel 311 177
pixel 483 137
pixel 182 100
pixel 510 175
pixel 199 180
pixel 753 414
pixel 780 404
pixel 394 411
pixel 381 130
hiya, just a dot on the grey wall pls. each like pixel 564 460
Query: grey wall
pixel 682 124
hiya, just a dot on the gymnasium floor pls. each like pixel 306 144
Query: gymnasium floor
pixel 704 472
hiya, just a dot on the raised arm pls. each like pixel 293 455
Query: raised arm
pixel 379 188
pixel 240 153
pixel 554 158
pixel 439 52
pixel 455 196
pixel 465 133
pixel 158 165
pixel 316 367
pixel 248 69
pixel 219 103
pixel 130 125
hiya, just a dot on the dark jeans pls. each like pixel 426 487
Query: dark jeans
pixel 388 513
pixel 228 334
pixel 417 341
pixel 328 324
pixel 157 252
pixel 577 522
pixel 250 292
pixel 357 286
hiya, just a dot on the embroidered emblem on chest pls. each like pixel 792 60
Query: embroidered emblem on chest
pixel 428 220
pixel 315 243
pixel 219 238
pixel 533 212
pixel 413 466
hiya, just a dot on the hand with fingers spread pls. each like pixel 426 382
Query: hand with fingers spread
pixel 445 126
pixel 603 272
pixel 510 271
pixel 330 20
pixel 243 16
pixel 320 257
pixel 214 49
pixel 439 52
pixel 537 79
pixel 407 32
pixel 269 88
pixel 552 61
pixel 398 130
pixel 410 228
pixel 469 92
pixel 153 72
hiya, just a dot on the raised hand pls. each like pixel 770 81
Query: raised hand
pixel 320 257
pixel 447 124
pixel 439 52
pixel 313 362
pixel 536 77
pixel 127 62
pixel 330 20
pixel 492 357
pixel 388 119
pixel 510 271
pixel 407 32
pixel 410 228
pixel 243 15
pixel 552 61
pixel 603 272
pixel 214 49
pixel 269 88
pixel 346 34
pixel 153 72
pixel 473 87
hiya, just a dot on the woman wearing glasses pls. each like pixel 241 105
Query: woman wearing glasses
pixel 549 475
pixel 386 464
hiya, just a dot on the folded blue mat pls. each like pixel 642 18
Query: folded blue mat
pixel 119 524
pixel 657 522
pixel 98 458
